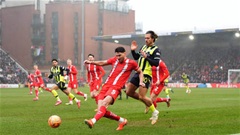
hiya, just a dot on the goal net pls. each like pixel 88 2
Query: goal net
pixel 233 77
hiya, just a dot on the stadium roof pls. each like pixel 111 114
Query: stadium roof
pixel 126 39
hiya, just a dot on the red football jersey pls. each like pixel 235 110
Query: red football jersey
pixel 94 72
pixel 72 73
pixel 31 78
pixel 120 71
pixel 160 73
pixel 39 76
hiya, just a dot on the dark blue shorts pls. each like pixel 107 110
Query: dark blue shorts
pixel 135 80
pixel 61 85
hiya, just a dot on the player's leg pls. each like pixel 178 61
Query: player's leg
pixel 40 90
pixel 36 93
pixel 93 92
pixel 55 94
pixel 155 91
pixel 108 114
pixel 131 91
pixel 70 102
pixel 42 85
pixel 187 88
pixel 151 96
pixel 148 103
pixel 132 87
pixel 120 96
pixel 159 99
pixel 101 109
pixel 112 94
pixel 171 89
pixel 122 121
pixel 69 94
pixel 30 86
pixel 166 91
pixel 80 93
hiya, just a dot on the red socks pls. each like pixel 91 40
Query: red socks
pixel 161 100
pixel 80 93
pixel 111 115
pixel 101 112
pixel 36 92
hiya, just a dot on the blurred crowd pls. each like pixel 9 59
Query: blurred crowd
pixel 203 64
pixel 10 72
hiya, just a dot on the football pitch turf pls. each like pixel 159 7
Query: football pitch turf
pixel 203 112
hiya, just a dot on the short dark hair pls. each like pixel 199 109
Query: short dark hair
pixel 153 35
pixel 54 60
pixel 120 49
pixel 90 55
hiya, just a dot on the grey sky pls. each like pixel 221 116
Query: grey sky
pixel 187 15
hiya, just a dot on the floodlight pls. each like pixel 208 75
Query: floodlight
pixel 237 34
pixel 191 37
pixel 116 41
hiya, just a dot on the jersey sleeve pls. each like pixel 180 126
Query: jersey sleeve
pixel 38 73
pixel 111 60
pixel 62 69
pixel 165 71
pixel 73 70
pixel 51 74
pixel 154 58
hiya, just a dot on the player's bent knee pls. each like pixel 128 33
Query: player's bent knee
pixel 130 93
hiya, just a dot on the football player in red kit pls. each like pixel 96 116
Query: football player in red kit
pixel 39 82
pixel 94 77
pixel 159 74
pixel 73 83
pixel 121 70
pixel 31 81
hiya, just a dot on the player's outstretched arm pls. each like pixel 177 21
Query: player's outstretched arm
pixel 99 63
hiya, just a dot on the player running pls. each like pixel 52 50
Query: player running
pixel 94 77
pixel 58 72
pixel 121 70
pixel 31 81
pixel 73 84
pixel 39 82
pixel 148 56
pixel 159 74
pixel 166 88
pixel 185 78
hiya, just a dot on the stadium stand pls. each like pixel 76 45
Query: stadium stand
pixel 10 70
pixel 203 64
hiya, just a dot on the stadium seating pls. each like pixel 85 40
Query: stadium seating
pixel 10 72
pixel 202 64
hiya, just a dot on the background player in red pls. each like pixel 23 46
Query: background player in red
pixel 73 83
pixel 31 81
pixel 94 77
pixel 39 82
pixel 159 74
pixel 121 70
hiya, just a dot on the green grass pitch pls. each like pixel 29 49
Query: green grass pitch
pixel 203 112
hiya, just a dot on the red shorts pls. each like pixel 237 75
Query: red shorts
pixel 73 85
pixel 109 90
pixel 156 89
pixel 31 84
pixel 95 85
pixel 39 84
